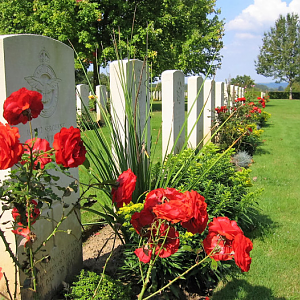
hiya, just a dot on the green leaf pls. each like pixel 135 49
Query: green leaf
pixel 213 265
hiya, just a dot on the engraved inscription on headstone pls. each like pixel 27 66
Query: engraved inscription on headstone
pixel 44 81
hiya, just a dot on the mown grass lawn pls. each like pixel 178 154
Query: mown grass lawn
pixel 275 269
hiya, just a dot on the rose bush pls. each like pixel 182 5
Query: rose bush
pixel 30 184
pixel 163 221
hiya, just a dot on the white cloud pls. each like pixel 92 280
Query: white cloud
pixel 247 36
pixel 262 15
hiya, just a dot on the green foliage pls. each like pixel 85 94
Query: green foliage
pixel 225 189
pixel 283 95
pixel 242 81
pixel 85 286
pixel 184 35
pixel 279 56
pixel 62 20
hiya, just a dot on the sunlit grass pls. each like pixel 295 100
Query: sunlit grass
pixel 274 272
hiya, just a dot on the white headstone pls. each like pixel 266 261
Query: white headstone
pixel 195 111
pixel 207 120
pixel 128 86
pixel 226 95
pixel 232 95
pixel 219 94
pixel 82 98
pixel 173 111
pixel 47 66
pixel 101 101
pixel 243 92
pixel 213 100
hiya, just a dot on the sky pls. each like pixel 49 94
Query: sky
pixel 245 24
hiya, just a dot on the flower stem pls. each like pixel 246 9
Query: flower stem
pixel 178 277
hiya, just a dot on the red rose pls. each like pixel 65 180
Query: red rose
pixel 35 213
pixel 39 147
pixel 143 254
pixel 22 106
pixel 25 232
pixel 69 149
pixel 242 247
pixel 126 185
pixel 198 219
pixel 221 246
pixel 153 198
pixel 171 244
pixel 174 208
pixel 11 148
pixel 142 220
pixel 228 241
pixel 225 227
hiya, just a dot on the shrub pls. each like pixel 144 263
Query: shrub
pixel 109 289
pixel 242 159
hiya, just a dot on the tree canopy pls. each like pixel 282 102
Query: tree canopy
pixel 242 81
pixel 173 34
pixel 279 56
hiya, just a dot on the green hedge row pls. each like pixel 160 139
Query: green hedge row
pixel 283 95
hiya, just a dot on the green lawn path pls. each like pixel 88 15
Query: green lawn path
pixel 275 268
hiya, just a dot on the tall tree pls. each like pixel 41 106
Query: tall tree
pixel 279 56
pixel 172 34
pixel 242 81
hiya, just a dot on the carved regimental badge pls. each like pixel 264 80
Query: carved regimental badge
pixel 44 80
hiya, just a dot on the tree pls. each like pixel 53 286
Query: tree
pixel 173 34
pixel 242 81
pixel 279 56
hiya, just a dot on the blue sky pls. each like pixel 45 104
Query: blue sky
pixel 245 23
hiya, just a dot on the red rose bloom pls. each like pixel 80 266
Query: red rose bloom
pixel 221 246
pixel 174 208
pixel 228 241
pixel 126 185
pixel 198 219
pixel 225 227
pixel 35 213
pixel 171 244
pixel 242 247
pixel 25 232
pixel 143 254
pixel 142 220
pixel 69 149
pixel 39 146
pixel 11 148
pixel 22 106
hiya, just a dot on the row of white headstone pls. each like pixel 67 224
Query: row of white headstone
pixel 42 64
pixel 203 97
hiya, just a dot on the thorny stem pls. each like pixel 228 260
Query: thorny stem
pixel 7 248
pixel 7 286
pixel 55 230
